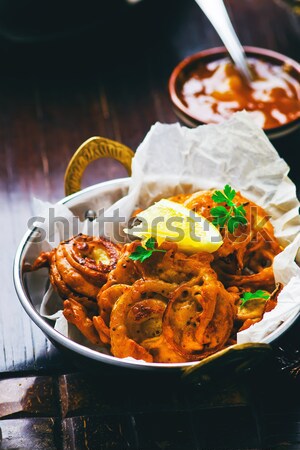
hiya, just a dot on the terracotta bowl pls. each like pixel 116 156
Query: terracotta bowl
pixel 182 70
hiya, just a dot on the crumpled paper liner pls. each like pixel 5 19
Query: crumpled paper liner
pixel 174 159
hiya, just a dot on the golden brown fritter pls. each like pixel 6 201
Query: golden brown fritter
pixel 245 258
pixel 136 321
pixel 171 307
pixel 179 313
pixel 199 317
pixel 79 267
pixel 77 314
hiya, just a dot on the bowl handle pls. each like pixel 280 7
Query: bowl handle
pixel 92 149
pixel 230 362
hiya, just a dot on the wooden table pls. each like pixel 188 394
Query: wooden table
pixel 112 81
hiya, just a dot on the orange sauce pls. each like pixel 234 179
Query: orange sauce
pixel 214 91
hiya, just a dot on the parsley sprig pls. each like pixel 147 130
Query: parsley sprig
pixel 232 214
pixel 252 295
pixel 143 252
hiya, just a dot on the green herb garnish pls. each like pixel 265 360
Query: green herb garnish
pixel 234 216
pixel 251 296
pixel 143 252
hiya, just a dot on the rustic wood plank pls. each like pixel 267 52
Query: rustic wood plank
pixel 29 434
pixel 97 433
pixel 232 428
pixel 164 430
pixel 28 396
pixel 82 393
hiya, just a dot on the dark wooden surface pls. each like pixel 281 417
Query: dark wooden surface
pixel 111 80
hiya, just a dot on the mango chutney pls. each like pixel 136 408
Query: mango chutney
pixel 212 91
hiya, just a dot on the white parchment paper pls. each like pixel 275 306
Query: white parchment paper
pixel 174 159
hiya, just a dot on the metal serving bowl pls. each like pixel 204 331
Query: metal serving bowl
pixel 232 359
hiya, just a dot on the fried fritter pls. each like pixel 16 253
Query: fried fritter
pixel 199 316
pixel 246 256
pixel 77 314
pixel 79 267
pixel 184 316
pixel 171 307
pixel 136 322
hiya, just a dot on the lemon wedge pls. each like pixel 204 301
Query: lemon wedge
pixel 171 221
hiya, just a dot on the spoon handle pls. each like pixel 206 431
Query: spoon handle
pixel 216 12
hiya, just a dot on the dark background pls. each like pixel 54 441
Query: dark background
pixel 73 70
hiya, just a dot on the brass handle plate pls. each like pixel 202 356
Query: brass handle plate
pixel 91 150
pixel 227 363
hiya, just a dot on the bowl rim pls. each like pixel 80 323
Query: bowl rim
pixel 82 350
pixel 222 51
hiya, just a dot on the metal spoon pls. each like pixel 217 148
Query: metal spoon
pixel 216 12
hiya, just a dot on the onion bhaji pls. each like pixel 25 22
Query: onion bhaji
pixel 172 307
pixel 79 267
pixel 245 258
